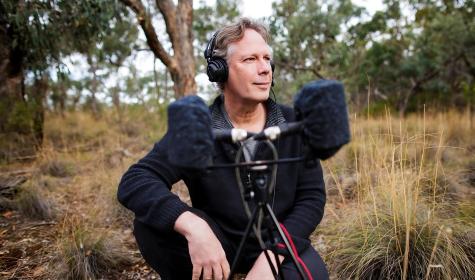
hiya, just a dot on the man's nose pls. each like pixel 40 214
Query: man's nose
pixel 264 66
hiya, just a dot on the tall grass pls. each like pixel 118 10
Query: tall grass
pixel 404 225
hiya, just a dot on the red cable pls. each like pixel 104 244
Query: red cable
pixel 294 249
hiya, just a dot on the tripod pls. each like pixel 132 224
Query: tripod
pixel 261 190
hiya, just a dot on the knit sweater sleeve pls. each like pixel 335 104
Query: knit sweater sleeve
pixel 145 189
pixel 309 202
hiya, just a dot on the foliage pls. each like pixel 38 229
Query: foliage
pixel 305 41
pixel 409 48
pixel 44 31
pixel 208 19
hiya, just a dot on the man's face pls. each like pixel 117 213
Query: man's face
pixel 250 73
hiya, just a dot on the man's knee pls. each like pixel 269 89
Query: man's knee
pixel 165 253
pixel 312 263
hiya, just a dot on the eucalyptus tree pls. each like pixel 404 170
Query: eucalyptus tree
pixel 35 36
pixel 413 53
pixel 179 60
pixel 306 40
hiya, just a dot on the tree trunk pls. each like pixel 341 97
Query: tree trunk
pixel 16 135
pixel 178 20
pixel 11 84
pixel 62 99
pixel 38 99
pixel 117 104
pixel 94 86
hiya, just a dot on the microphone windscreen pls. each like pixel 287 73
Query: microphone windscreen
pixel 189 129
pixel 321 106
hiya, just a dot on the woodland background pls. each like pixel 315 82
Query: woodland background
pixel 400 195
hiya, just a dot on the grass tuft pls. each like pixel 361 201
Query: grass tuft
pixel 402 222
pixel 58 168
pixel 33 203
pixel 85 252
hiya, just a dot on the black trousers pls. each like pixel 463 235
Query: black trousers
pixel 168 254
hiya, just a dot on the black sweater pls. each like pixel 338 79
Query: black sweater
pixel 299 199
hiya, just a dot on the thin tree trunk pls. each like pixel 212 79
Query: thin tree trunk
pixel 116 101
pixel 38 97
pixel 94 87
pixel 62 99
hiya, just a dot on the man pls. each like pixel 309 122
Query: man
pixel 182 242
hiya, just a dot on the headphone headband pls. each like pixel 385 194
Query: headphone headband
pixel 210 47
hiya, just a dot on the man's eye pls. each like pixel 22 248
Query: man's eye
pixel 249 59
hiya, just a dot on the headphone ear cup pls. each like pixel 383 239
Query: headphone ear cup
pixel 217 70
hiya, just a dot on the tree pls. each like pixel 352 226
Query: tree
pixel 305 41
pixel 406 63
pixel 178 21
pixel 35 36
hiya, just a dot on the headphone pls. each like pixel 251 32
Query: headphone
pixel 217 69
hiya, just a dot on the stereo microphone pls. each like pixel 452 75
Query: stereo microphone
pixel 283 129
pixel 191 137
pixel 321 106
pixel 234 135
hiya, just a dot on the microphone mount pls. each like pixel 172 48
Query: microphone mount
pixel 260 189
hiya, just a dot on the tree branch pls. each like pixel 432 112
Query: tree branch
pixel 152 38
pixel 185 9
pixel 168 10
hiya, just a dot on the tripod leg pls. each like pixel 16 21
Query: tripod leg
pixel 243 241
pixel 276 256
pixel 269 211
pixel 269 261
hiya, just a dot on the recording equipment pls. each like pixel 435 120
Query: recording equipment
pixel 321 113
pixel 321 106
pixel 217 69
pixel 322 121
pixel 283 129
pixel 234 135
pixel 189 129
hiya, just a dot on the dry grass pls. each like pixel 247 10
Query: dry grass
pixel 400 204
pixel 32 202
pixel 399 222
pixel 87 252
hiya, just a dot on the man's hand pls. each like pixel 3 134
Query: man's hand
pixel 206 253
pixel 261 268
